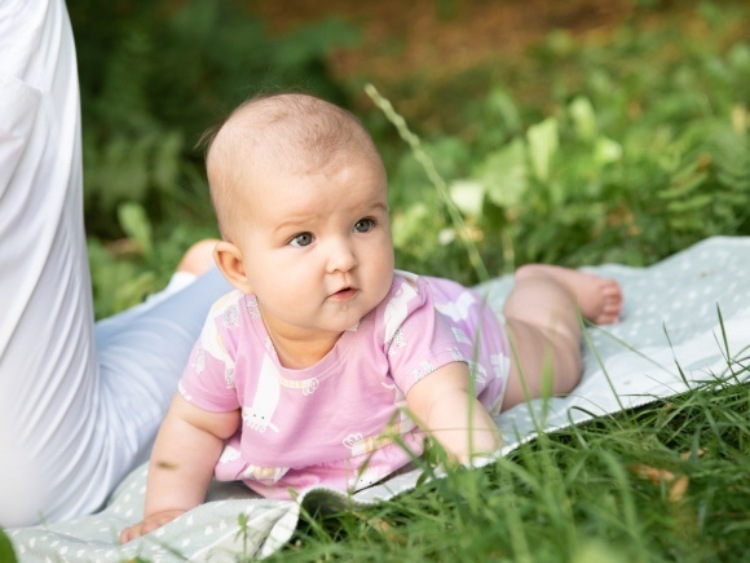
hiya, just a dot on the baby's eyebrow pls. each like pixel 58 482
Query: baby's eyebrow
pixel 379 205
pixel 294 224
pixel 302 221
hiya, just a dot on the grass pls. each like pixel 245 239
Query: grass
pixel 667 482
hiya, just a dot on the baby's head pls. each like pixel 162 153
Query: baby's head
pixel 286 132
pixel 300 194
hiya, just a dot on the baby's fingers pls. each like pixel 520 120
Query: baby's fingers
pixel 140 529
pixel 148 524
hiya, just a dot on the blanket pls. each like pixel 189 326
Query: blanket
pixel 683 318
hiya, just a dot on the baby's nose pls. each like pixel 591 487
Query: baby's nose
pixel 342 257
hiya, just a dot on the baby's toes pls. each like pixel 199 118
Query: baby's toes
pixel 612 303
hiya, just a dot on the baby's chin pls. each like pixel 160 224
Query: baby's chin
pixel 346 321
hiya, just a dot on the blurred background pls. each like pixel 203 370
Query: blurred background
pixel 576 132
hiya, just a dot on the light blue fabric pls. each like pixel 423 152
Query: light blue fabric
pixel 670 319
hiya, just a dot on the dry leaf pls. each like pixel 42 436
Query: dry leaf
pixel 653 474
pixel 678 489
pixel 684 456
pixel 678 485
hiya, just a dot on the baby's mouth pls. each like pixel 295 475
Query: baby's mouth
pixel 344 294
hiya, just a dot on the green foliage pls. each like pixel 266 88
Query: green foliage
pixel 637 155
pixel 7 553
pixel 624 150
pixel 126 271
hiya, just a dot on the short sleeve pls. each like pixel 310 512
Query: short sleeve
pixel 208 379
pixel 418 338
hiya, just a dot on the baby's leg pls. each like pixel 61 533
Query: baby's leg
pixel 544 330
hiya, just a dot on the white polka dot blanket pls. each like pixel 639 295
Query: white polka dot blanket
pixel 682 318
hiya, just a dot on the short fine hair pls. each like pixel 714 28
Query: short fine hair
pixel 299 132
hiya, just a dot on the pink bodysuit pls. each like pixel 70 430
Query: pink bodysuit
pixel 339 423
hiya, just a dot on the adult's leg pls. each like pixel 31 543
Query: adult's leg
pixel 47 360
pixel 541 315
pixel 66 439
pixel 142 352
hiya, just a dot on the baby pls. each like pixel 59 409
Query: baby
pixel 325 365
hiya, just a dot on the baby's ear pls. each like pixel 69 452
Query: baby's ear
pixel 229 260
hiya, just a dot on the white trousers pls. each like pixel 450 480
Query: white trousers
pixel 79 404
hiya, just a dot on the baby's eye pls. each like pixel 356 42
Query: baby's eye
pixel 364 225
pixel 301 240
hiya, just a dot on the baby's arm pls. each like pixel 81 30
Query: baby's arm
pixel 185 453
pixel 444 408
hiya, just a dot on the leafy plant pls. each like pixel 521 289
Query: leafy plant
pixel 630 164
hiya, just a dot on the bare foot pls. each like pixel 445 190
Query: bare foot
pixel 599 299
pixel 199 257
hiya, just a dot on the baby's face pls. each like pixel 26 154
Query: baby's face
pixel 316 246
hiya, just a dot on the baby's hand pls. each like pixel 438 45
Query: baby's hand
pixel 149 524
